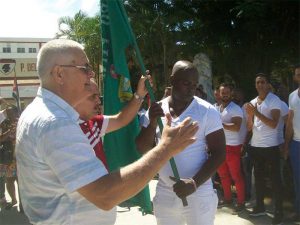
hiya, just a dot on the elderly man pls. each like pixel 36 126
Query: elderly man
pixel 195 167
pixel 61 180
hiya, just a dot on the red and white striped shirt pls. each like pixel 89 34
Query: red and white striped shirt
pixel 94 129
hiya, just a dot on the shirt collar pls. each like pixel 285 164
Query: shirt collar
pixel 50 96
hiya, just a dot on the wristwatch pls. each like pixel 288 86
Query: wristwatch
pixel 137 97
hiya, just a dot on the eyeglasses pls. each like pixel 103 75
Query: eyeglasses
pixel 87 69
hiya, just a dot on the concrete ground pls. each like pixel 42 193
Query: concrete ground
pixel 134 216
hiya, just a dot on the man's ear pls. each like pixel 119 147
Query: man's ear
pixel 57 73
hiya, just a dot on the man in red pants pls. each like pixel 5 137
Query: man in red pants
pixel 232 116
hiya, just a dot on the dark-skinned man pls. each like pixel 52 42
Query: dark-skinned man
pixel 195 165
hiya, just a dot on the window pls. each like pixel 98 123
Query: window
pixel 21 50
pixel 6 50
pixel 32 50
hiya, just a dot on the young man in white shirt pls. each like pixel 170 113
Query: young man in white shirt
pixel 292 139
pixel 232 117
pixel 264 114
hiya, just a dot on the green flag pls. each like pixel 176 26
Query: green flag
pixel 119 146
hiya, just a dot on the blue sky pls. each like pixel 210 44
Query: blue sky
pixel 39 18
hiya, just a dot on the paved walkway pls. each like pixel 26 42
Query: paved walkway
pixel 134 216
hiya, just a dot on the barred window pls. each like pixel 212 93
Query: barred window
pixel 6 50
pixel 20 50
pixel 32 50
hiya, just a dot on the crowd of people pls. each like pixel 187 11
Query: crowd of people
pixel 262 132
pixel 257 138
pixel 56 159
pixel 8 124
pixel 61 160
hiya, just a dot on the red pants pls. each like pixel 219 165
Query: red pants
pixel 231 170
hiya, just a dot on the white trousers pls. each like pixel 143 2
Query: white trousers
pixel 168 208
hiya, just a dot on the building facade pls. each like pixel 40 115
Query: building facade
pixel 18 58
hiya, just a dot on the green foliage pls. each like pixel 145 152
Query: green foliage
pixel 241 37
pixel 85 30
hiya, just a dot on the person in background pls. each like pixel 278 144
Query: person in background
pixel 194 165
pixel 264 113
pixel 61 181
pixel 3 113
pixel 95 125
pixel 168 91
pixel 217 97
pixel 232 118
pixel 238 98
pixel 3 116
pixel 284 109
pixel 292 140
pixel 200 92
pixel 7 156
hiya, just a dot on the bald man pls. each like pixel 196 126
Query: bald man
pixel 61 180
pixel 194 165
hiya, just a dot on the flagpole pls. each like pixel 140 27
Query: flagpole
pixel 151 94
pixel 15 86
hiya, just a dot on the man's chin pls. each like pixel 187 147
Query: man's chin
pixel 95 113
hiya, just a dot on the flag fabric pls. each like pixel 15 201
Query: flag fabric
pixel 119 146
pixel 15 94
pixel 7 66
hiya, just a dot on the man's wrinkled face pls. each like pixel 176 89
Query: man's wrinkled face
pixel 76 81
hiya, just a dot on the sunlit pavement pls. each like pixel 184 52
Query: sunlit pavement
pixel 133 216
pixel 224 216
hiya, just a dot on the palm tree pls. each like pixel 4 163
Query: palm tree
pixel 85 30
pixel 72 28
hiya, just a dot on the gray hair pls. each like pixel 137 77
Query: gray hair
pixel 51 52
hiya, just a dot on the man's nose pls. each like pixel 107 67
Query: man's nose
pixel 91 74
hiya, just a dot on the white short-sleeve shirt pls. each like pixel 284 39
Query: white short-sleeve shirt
pixel 191 159
pixel 263 135
pixel 284 110
pixel 230 111
pixel 54 160
pixel 294 105
pixel 243 130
